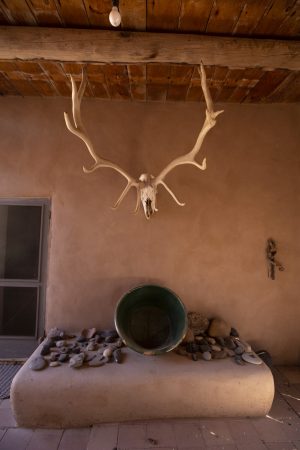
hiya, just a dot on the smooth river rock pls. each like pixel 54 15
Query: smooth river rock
pixel 239 350
pixel 77 360
pixel 206 356
pixel 108 333
pixel 219 355
pixel 46 349
pixel 246 346
pixel 63 357
pixel 251 358
pixel 38 363
pixel 216 348
pixel 117 355
pixel 229 352
pixel 54 364
pixel 219 327
pixel 108 352
pixel 229 343
pixel 61 343
pixel 98 361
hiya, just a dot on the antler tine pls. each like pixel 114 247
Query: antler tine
pixel 206 92
pixel 80 131
pixel 77 97
pixel 129 185
pixel 171 193
pixel 189 158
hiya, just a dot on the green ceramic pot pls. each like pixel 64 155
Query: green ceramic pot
pixel 151 319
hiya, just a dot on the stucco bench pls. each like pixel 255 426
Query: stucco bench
pixel 142 387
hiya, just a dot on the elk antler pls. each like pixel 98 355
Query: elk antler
pixel 79 130
pixel 189 158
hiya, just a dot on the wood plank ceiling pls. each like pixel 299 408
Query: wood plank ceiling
pixel 274 19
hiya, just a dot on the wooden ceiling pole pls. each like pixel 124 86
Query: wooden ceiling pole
pixel 86 45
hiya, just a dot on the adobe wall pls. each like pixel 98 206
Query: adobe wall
pixel 211 252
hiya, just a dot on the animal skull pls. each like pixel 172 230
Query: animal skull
pixel 146 186
pixel 147 194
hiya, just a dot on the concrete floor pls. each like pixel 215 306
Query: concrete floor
pixel 280 430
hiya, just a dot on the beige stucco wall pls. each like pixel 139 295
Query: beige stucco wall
pixel 210 252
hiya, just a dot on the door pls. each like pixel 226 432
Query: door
pixel 23 254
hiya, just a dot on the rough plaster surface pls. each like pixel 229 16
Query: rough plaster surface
pixel 210 252
pixel 143 387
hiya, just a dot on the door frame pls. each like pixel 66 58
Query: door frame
pixel 14 347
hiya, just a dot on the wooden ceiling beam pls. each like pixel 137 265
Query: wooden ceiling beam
pixel 103 46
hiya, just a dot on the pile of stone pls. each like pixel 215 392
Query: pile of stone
pixel 91 348
pixel 214 339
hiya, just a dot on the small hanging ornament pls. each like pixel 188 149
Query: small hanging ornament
pixel 271 251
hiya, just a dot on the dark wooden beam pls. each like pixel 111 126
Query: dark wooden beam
pixel 85 45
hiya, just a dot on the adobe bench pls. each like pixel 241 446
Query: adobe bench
pixel 142 387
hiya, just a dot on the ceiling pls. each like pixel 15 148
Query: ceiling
pixel 258 19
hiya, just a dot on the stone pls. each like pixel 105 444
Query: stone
pixel 65 350
pixel 54 356
pixel 119 343
pixel 60 344
pixel 97 338
pixel 98 361
pixel 229 351
pixel 194 357
pixel 54 364
pixel 95 362
pixel 88 333
pixel 219 355
pixel 88 356
pixel 54 349
pixel 211 340
pixel 76 350
pixel 55 334
pixel 239 350
pixel 204 348
pixel 233 332
pixel 81 339
pixel 76 361
pixel 91 347
pixel 229 343
pixel 109 339
pixel 197 322
pixel 117 355
pixel 216 348
pixel 107 352
pixel 63 357
pixel 108 333
pixel 49 341
pixel 220 341
pixel 192 347
pixel 45 350
pixel 206 356
pixel 238 359
pixel 199 339
pixel 38 363
pixel 189 337
pixel 246 346
pixel 251 358
pixel 72 345
pixel 219 327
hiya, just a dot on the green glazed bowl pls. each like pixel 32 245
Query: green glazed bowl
pixel 151 319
